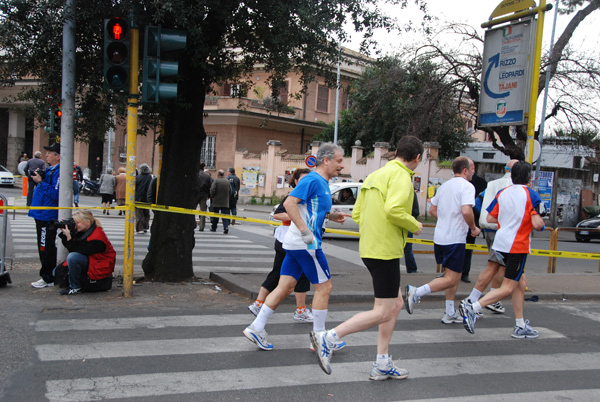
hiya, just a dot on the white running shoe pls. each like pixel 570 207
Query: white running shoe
pixel 451 319
pixel 323 349
pixel 41 284
pixel 411 298
pixel 525 333
pixel 304 316
pixel 339 345
pixel 379 373
pixel 258 337
pixel 254 309
pixel 497 308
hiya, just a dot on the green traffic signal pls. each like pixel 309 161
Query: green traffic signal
pixel 157 42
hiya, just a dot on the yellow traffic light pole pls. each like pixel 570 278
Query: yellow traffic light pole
pixel 132 124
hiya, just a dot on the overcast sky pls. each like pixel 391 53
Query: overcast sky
pixel 474 12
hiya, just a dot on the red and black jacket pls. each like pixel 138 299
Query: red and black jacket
pixel 95 245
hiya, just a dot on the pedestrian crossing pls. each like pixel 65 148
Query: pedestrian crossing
pixel 219 360
pixel 230 253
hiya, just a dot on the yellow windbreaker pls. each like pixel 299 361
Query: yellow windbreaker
pixel 383 212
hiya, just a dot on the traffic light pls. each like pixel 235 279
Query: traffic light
pixel 116 54
pixel 53 123
pixel 157 42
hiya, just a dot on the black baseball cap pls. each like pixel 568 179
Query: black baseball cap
pixel 53 148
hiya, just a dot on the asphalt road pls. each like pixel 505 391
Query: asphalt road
pixel 183 343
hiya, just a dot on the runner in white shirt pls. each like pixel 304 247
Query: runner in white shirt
pixel 453 206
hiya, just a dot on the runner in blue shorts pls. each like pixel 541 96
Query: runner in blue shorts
pixel 308 206
pixel 452 205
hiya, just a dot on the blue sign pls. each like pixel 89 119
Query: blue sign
pixel 545 188
pixel 311 161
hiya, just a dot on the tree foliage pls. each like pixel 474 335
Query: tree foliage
pixel 398 96
pixel 574 90
pixel 226 39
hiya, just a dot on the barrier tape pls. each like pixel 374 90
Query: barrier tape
pixel 167 208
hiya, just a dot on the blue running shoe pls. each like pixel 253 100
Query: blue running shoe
pixel 469 316
pixel 258 337
pixel 323 349
pixel 523 333
pixel 380 373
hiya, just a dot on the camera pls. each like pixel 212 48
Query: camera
pixel 38 172
pixel 65 223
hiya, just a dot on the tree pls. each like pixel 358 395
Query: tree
pixel 225 40
pixel 397 97
pixel 574 89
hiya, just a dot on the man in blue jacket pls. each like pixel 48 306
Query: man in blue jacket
pixel 46 195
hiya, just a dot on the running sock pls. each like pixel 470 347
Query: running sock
pixel 520 322
pixel 423 290
pixel 477 307
pixel 319 318
pixel 474 296
pixel 300 309
pixel 332 336
pixel 382 360
pixel 258 303
pixel 261 319
pixel 450 307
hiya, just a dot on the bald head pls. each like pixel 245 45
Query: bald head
pixel 511 163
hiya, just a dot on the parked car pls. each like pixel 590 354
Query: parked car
pixel 587 235
pixel 6 177
pixel 343 197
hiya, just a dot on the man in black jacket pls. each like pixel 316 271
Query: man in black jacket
pixel 235 181
pixel 142 183
pixel 204 182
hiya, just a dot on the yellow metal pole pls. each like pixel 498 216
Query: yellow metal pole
pixel 535 79
pixel 132 120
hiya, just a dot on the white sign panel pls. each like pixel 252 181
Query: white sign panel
pixel 506 73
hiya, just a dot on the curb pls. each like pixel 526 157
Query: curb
pixel 236 284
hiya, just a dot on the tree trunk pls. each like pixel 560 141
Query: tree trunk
pixel 169 258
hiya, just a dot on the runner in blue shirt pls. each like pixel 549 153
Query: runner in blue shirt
pixel 308 207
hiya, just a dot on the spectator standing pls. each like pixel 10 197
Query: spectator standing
pixel 107 189
pixel 46 195
pixel 77 178
pixel 91 258
pixel 409 257
pixel 120 188
pixel 204 183
pixel 235 195
pixel 220 193
pixel 32 165
pixel 142 183
pixel 24 157
pixel 97 166
pixel 453 206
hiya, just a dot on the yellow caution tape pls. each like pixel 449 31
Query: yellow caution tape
pixel 166 208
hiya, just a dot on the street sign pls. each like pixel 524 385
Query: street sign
pixel 506 74
pixel 311 161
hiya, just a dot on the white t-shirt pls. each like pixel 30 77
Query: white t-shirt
pixel 451 227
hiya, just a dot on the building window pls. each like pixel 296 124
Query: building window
pixel 226 89
pixel 208 152
pixel 283 93
pixel 489 155
pixel 322 98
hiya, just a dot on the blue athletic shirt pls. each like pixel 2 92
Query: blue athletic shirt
pixel 313 191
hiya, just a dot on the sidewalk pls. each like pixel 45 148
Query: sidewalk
pixel 357 287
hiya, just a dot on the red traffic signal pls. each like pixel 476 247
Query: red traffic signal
pixel 116 54
pixel 117 29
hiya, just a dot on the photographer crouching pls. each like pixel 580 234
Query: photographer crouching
pixel 91 258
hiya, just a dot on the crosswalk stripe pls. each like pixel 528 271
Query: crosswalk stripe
pixel 214 320
pixel 546 396
pixel 164 347
pixel 120 235
pixel 178 383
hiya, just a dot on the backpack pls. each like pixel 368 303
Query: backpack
pixel 233 188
